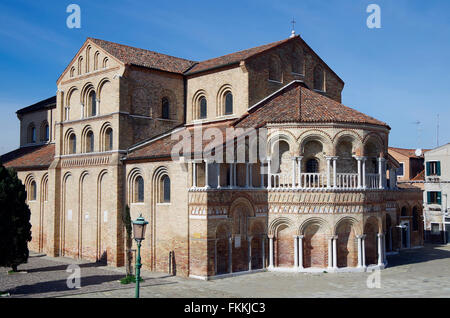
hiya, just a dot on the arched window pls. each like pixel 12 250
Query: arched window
pixel 72 71
pixel 105 62
pixel 297 61
pixel 275 69
pixel 165 195
pixel 319 78
pixel 228 103
pixel 72 144
pixel 203 108
pixel 89 142
pixel 404 212
pixel 165 111
pixel 415 219
pixel 31 133
pixel 45 132
pixel 312 166
pixel 33 191
pixel 108 139
pixel 92 102
pixel 139 189
pixel 80 65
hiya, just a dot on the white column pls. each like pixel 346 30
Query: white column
pixel 359 237
pixel 194 174
pixel 300 251
pixel 247 175
pixel 263 251
pixel 381 171
pixel 335 251
pixel 206 174
pixel 295 251
pixel 330 253
pixel 250 253
pixel 359 172
pixel 218 174
pixel 299 170
pixel 270 251
pixel 328 171
pixel 364 172
pixel 269 173
pixel 334 172
pixel 230 254
pixel 380 248
pixel 293 171
pixel 261 167
pixel 363 250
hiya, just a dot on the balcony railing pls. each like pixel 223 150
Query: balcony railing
pixel 320 181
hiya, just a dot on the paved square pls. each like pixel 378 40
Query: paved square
pixel 414 273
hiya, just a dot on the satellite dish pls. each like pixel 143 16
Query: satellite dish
pixel 419 152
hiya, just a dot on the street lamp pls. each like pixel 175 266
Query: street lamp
pixel 139 235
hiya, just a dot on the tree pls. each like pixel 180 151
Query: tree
pixel 15 226
pixel 126 218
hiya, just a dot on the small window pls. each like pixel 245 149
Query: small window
pixel 90 142
pixel 166 189
pixel 228 103
pixel 165 108
pixel 33 134
pixel 109 139
pixel 433 168
pixel 312 166
pixel 404 212
pixel 72 144
pixel 434 197
pixel 46 132
pixel 400 170
pixel 105 62
pixel 92 104
pixel 203 108
pixel 33 191
pixel 139 189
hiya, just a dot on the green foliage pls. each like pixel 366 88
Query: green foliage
pixel 126 219
pixel 130 279
pixel 15 226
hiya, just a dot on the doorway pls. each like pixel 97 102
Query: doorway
pixel 405 234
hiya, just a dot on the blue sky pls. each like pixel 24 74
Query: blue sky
pixel 399 74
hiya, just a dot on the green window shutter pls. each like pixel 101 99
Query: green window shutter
pixel 438 168
pixel 439 198
pixel 428 197
pixel 428 168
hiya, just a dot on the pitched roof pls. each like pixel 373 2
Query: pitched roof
pixel 43 104
pixel 411 153
pixel 145 58
pixel 232 58
pixel 34 157
pixel 296 103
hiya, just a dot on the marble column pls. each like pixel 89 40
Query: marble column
pixel 249 240
pixel 270 251
pixel 363 250
pixel 194 174
pixel 294 160
pixel 364 172
pixel 263 243
pixel 330 253
pixel 328 171
pixel 335 172
pixel 300 251
pixel 269 173
pixel 335 251
pixel 206 174
pixel 299 171
pixel 380 248
pixel 381 171
pixel 359 237
pixel 230 254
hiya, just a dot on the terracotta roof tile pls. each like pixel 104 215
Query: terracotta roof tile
pixel 145 58
pixel 233 57
pixel 33 157
pixel 296 103
pixel 411 153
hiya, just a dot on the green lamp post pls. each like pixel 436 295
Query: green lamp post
pixel 139 235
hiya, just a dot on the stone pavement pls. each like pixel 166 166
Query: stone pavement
pixel 414 273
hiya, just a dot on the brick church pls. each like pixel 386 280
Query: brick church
pixel 318 198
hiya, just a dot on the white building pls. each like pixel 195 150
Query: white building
pixel 437 189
